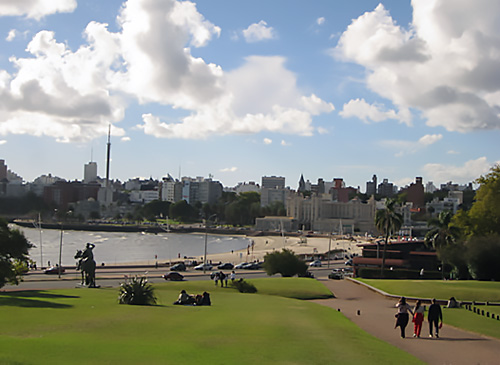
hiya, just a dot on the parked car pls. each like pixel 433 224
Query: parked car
pixel 225 266
pixel 173 276
pixel 315 263
pixel 178 267
pixel 206 266
pixel 252 266
pixel 240 266
pixel 54 270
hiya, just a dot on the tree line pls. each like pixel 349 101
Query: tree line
pixel 467 243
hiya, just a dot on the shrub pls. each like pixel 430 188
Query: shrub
pixel 137 291
pixel 285 263
pixel 244 286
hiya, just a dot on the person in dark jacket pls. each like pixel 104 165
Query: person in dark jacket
pixel 435 318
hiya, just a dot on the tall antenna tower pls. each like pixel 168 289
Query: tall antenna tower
pixel 108 157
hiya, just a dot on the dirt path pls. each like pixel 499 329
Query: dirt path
pixel 376 316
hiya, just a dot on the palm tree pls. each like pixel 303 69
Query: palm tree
pixel 442 234
pixel 388 221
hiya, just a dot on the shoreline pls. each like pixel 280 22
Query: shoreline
pixel 315 246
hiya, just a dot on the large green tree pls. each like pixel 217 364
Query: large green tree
pixel 442 232
pixel 443 237
pixel 484 215
pixel 243 210
pixel 13 254
pixel 285 263
pixel 387 221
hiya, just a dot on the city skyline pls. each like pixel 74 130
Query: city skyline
pixel 242 90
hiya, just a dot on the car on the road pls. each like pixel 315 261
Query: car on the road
pixel 225 266
pixel 315 263
pixel 178 267
pixel 336 274
pixel 206 266
pixel 54 270
pixel 173 276
pixel 240 266
pixel 252 266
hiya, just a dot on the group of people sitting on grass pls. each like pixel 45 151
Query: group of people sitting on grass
pixel 189 299
pixel 434 316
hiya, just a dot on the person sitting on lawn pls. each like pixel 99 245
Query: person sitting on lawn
pixel 184 298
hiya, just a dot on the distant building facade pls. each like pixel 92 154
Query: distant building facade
pixel 90 172
pixel 321 213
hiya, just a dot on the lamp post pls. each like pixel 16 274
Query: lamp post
pixel 60 253
pixel 206 239
pixel 329 248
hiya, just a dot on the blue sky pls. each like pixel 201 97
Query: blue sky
pixel 242 89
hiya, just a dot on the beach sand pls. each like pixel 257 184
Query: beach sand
pixel 311 247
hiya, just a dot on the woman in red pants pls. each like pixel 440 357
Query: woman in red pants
pixel 418 318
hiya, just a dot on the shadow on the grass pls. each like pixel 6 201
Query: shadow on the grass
pixel 33 299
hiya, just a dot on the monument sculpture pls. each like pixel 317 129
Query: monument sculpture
pixel 87 265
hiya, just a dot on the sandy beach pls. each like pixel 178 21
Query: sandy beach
pixel 310 246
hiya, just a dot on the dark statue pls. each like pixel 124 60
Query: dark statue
pixel 86 265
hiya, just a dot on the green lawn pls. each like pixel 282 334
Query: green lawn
pixel 480 291
pixel 468 290
pixel 87 326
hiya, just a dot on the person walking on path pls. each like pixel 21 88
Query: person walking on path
pixel 402 315
pixel 435 317
pixel 418 318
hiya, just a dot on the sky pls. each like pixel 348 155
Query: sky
pixel 237 90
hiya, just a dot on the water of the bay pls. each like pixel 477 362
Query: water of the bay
pixel 119 247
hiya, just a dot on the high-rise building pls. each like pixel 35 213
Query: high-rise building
pixel 90 172
pixel 386 189
pixel 3 170
pixel 273 182
pixel 371 186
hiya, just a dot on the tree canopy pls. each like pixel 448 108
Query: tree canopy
pixel 285 263
pixel 388 221
pixel 484 215
pixel 13 254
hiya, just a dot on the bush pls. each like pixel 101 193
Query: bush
pixel 285 263
pixel 137 291
pixel 244 286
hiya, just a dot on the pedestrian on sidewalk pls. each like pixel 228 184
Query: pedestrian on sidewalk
pixel 402 315
pixel 435 318
pixel 418 318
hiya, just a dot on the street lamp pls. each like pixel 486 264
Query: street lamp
pixel 206 239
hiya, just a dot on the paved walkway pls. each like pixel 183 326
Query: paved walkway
pixel 376 317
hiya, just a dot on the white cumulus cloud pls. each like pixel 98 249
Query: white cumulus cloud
pixel 36 9
pixel 267 141
pixel 72 95
pixel 11 35
pixel 257 32
pixel 405 147
pixel 470 171
pixel 229 169
pixel 445 65
pixel 359 108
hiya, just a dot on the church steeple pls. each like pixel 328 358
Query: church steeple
pixel 302 184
